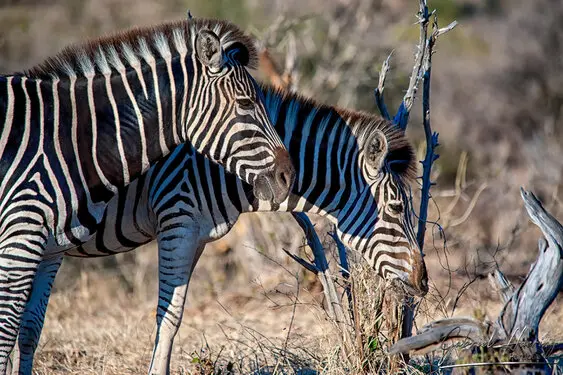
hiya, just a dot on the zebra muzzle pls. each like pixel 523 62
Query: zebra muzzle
pixel 275 185
pixel 418 280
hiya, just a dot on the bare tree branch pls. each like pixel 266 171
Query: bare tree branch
pixel 334 305
pixel 520 318
pixel 379 101
pixel 501 285
pixel 523 309
pixel 431 137
pixel 440 331
pixel 402 116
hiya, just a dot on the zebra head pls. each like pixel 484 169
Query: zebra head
pixel 377 219
pixel 247 144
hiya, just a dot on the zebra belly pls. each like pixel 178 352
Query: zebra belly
pixel 125 225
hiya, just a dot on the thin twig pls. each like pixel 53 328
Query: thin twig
pixel 308 266
pixel 334 305
pixel 431 137
pixel 472 204
pixel 379 101
pixel 402 116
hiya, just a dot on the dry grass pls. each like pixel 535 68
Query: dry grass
pixel 269 320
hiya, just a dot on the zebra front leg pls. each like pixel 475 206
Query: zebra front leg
pixel 18 265
pixel 175 268
pixel 34 314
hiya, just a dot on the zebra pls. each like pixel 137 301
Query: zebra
pixel 353 168
pixel 88 121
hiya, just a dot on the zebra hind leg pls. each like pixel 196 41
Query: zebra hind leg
pixel 18 265
pixel 34 314
pixel 175 269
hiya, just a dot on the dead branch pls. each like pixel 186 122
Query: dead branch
pixel 421 50
pixel 521 315
pixel 502 285
pixel 379 101
pixel 524 307
pixel 431 137
pixel 334 305
pixel 441 331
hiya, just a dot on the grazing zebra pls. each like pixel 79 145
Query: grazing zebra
pixel 87 122
pixel 353 168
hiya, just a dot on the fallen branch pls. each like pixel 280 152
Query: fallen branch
pixel 440 331
pixel 524 308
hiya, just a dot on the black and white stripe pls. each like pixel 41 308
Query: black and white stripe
pixel 84 124
pixel 185 201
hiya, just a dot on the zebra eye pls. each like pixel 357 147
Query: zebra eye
pixel 245 104
pixel 396 208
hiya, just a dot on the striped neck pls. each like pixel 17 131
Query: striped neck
pixel 324 150
pixel 327 146
pixel 354 169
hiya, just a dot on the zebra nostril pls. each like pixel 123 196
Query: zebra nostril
pixel 284 178
pixel 283 175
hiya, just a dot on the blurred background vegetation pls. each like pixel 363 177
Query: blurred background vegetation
pixel 497 101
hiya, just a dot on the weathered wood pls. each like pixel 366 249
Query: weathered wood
pixel 439 332
pixel 520 318
pixel 524 307
pixel 502 285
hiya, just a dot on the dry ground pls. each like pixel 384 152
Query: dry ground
pixel 103 325
pixel 95 326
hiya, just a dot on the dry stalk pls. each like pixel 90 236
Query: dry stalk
pixel 335 307
pixel 446 216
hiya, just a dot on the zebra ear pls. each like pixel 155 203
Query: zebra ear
pixel 208 49
pixel 376 150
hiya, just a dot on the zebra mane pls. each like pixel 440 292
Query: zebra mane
pixel 400 159
pixel 128 48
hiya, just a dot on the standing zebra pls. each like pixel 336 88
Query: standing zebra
pixel 87 122
pixel 353 168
